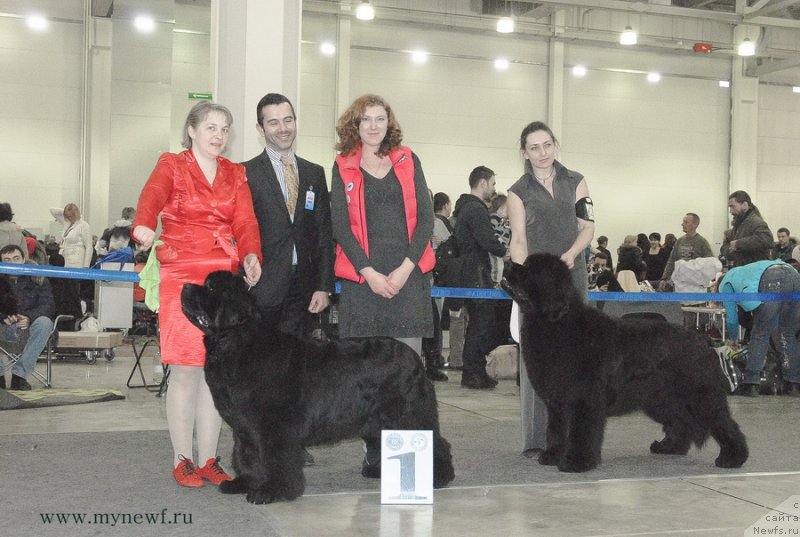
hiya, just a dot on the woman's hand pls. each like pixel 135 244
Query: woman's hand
pixel 252 269
pixel 569 259
pixel 379 283
pixel 144 236
pixel 399 276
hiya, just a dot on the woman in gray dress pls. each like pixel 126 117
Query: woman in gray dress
pixel 550 212
pixel 382 222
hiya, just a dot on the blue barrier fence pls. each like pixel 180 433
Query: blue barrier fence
pixel 445 292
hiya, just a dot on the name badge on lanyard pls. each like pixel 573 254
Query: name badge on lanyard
pixel 310 199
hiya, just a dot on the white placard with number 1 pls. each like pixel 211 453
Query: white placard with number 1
pixel 406 467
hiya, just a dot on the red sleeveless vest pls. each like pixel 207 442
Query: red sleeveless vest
pixel 350 172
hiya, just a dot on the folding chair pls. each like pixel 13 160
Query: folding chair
pixel 151 338
pixel 13 350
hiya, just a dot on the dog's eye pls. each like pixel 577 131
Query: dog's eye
pixel 203 321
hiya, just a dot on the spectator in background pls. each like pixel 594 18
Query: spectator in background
pixel 642 242
pixel 477 242
pixel 498 216
pixel 76 246
pixel 10 233
pixel 117 236
pixel 442 228
pixel 749 238
pixel 784 247
pixel 655 257
pixel 31 326
pixel 669 243
pixel 602 245
pixel 690 246
pixel 629 257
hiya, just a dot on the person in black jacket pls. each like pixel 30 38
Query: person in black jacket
pixel 31 326
pixel 476 240
pixel 296 241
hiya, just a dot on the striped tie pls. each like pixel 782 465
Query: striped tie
pixel 291 183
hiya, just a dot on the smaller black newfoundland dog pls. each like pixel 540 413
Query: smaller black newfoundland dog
pixel 279 393
pixel 586 366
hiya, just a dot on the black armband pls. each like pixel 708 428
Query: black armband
pixel 584 209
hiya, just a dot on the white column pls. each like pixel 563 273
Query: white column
pixel 256 44
pixel 555 79
pixel 99 128
pixel 744 124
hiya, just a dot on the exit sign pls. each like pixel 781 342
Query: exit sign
pixel 200 96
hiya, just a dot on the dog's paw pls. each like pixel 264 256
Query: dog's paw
pixel 548 458
pixel 261 496
pixel 235 486
pixel 667 447
pixel 577 465
pixel 731 458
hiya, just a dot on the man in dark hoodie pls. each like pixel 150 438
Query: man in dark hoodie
pixel 749 238
pixel 477 240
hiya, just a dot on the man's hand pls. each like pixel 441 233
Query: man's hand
pixel 319 301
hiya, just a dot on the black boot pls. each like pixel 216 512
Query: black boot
pixel 432 369
pixel 19 383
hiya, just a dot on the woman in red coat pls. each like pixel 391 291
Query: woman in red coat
pixel 208 224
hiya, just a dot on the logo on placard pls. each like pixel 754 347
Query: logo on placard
pixel 419 442
pixel 394 442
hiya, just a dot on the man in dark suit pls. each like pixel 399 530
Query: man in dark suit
pixel 297 247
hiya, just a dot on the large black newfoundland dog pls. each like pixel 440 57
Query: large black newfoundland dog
pixel 279 393
pixel 586 365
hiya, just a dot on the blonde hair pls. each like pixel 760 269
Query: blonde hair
pixel 70 210
pixel 198 114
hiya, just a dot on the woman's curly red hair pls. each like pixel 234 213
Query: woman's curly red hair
pixel 347 126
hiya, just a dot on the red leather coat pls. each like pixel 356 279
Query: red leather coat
pixel 204 228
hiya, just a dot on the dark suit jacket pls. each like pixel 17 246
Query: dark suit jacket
pixel 310 232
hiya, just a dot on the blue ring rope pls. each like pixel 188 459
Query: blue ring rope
pixel 436 292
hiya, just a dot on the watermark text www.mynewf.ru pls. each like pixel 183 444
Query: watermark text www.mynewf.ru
pixel 164 518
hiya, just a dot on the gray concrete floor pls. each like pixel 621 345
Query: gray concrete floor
pixel 702 505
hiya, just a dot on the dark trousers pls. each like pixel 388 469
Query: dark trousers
pixel 291 315
pixel 484 333
pixel 432 346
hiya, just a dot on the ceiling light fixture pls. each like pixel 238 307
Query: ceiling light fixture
pixel 795 89
pixel 36 22
pixel 505 25
pixel 746 48
pixel 628 36
pixel 501 64
pixel 327 49
pixel 579 71
pixel 419 56
pixel 653 77
pixel 724 83
pixel 144 23
pixel 365 11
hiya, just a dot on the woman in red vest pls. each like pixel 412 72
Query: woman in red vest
pixel 382 222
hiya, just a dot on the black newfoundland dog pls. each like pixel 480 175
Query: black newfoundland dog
pixel 586 366
pixel 280 394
